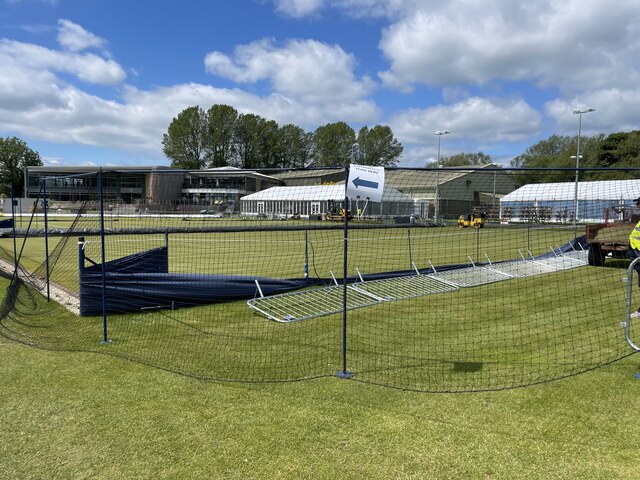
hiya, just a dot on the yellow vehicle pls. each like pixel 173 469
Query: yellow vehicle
pixel 336 213
pixel 475 220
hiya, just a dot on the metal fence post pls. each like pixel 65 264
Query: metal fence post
pixel 344 373
pixel 45 205
pixel 13 217
pixel 105 338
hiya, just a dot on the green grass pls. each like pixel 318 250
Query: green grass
pixel 281 254
pixel 75 409
pixel 80 415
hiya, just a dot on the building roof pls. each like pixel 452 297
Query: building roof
pixel 319 193
pixel 404 179
pixel 307 173
pixel 598 190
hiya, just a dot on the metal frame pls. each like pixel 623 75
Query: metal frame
pixel 627 323
pixel 322 301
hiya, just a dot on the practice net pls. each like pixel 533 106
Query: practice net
pixel 460 279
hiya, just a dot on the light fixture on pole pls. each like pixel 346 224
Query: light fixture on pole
pixel 578 157
pixel 436 212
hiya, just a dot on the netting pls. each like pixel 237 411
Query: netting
pixel 456 280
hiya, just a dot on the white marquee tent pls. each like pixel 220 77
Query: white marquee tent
pixel 318 199
pixel 595 200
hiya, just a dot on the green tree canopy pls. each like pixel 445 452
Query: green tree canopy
pixel 378 146
pixel 184 143
pixel 247 140
pixel 15 155
pixel 295 146
pixel 221 124
pixel 333 143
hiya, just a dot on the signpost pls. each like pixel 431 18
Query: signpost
pixel 365 182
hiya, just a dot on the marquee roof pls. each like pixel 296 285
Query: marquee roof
pixel 319 193
pixel 599 190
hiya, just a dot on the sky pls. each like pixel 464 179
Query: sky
pixel 97 82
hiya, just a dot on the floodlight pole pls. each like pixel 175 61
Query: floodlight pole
pixel 578 112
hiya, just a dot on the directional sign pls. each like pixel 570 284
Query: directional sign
pixel 365 182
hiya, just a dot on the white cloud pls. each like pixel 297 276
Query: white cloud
pixel 353 8
pixel 307 72
pixel 298 8
pixel 87 66
pixel 72 36
pixel 478 119
pixel 616 110
pixel 571 44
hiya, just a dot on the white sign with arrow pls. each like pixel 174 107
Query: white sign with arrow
pixel 365 182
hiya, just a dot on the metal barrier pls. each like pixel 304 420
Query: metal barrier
pixel 627 323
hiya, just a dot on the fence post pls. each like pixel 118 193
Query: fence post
pixel 13 218
pixel 409 241
pixel 306 254
pixel 344 373
pixel 105 338
pixel 45 205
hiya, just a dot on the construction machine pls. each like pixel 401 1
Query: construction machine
pixel 474 219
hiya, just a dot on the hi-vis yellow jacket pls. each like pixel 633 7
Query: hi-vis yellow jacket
pixel 634 238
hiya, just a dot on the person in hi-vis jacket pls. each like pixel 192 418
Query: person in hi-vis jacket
pixel 634 252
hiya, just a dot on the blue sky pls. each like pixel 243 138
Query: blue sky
pixel 88 82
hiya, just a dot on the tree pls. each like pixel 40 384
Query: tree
pixel 185 140
pixel 462 160
pixel 15 155
pixel 333 143
pixel 221 124
pixel 618 150
pixel 295 146
pixel 378 146
pixel 247 140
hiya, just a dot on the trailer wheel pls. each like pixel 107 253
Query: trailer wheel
pixel 596 255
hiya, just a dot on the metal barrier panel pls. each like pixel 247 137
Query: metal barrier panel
pixel 404 287
pixel 307 304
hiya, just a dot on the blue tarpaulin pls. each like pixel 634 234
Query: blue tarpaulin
pixel 142 281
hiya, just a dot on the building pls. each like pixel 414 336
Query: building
pixel 556 202
pixel 317 200
pixel 217 189
pixel 323 176
pixel 459 191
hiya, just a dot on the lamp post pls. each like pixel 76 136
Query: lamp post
pixel 436 212
pixel 578 157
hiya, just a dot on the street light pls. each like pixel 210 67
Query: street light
pixel 578 157
pixel 436 212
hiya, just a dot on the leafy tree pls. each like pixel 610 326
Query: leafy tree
pixel 378 146
pixel 221 124
pixel 268 144
pixel 333 143
pixel 295 146
pixel 462 160
pixel 15 155
pixel 246 139
pixel 184 143
pixel 618 150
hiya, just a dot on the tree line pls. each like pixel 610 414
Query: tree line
pixel 615 153
pixel 220 136
pixel 15 154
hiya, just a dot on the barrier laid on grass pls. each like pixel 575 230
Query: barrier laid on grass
pixel 251 276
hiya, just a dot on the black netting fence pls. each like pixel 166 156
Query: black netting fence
pixel 450 279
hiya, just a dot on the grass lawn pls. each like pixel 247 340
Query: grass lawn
pixel 82 415
pixel 74 409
